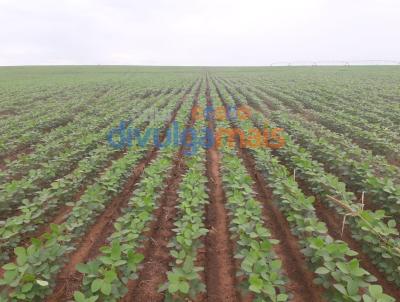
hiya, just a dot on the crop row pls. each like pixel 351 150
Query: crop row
pixel 16 191
pixel 378 182
pixel 32 214
pixel 379 237
pixel 106 277
pixel 62 139
pixel 45 260
pixel 334 263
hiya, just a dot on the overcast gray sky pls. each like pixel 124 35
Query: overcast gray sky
pixel 197 32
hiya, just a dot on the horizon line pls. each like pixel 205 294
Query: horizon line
pixel 286 64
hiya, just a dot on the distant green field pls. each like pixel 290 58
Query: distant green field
pixel 316 217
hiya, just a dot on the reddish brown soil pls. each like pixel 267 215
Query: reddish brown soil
pixel 22 150
pixel 148 242
pixel 65 280
pixel 69 279
pixel 157 255
pixel 294 263
pixel 334 224
pixel 393 160
pixel 369 205
pixel 200 262
pixel 289 251
pixel 7 112
pixel 60 218
pixel 26 149
pixel 61 123
pixel 63 211
pixel 220 264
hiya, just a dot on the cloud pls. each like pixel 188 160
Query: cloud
pixel 208 32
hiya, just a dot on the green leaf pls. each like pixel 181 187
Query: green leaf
pixel 106 260
pixel 173 287
pixel 20 251
pixel 342 266
pixel 375 290
pixel 110 276
pixel 120 262
pixel 106 288
pixel 42 282
pixel 82 268
pixel 256 283
pixel 184 287
pixel 322 270
pixel 392 223
pixel 21 255
pixel 27 287
pixel 9 276
pixel 367 298
pixel 96 285
pixel 79 297
pixel 270 290
pixel 340 288
pixel 29 278
pixel 55 228
pixel 352 287
pixel 115 251
pixel 135 258
pixel 9 266
pixel 275 264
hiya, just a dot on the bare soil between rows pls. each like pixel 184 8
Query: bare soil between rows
pixel 288 250
pixel 69 279
pixel 157 260
pixel 220 264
